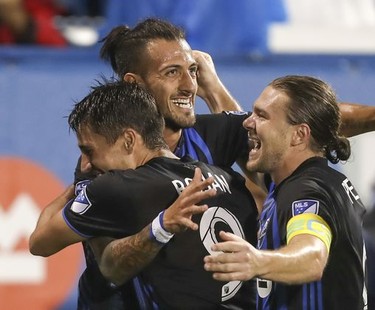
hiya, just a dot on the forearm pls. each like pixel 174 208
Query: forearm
pixel 219 99
pixel 56 205
pixel 356 119
pixel 51 233
pixel 254 183
pixel 53 208
pixel 294 264
pixel 52 237
pixel 211 89
pixel 122 259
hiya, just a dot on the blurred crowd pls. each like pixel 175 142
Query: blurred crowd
pixel 84 22
pixel 49 22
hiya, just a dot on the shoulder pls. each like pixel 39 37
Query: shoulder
pixel 114 182
pixel 310 189
pixel 305 182
pixel 211 169
pixel 235 115
pixel 225 123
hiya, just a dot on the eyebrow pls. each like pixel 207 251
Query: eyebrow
pixel 257 110
pixel 261 112
pixel 84 148
pixel 177 66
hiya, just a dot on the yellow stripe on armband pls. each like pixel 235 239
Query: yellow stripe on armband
pixel 309 223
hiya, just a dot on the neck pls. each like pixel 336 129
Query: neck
pixel 148 155
pixel 290 164
pixel 165 153
pixel 172 137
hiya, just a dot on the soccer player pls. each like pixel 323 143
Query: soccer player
pixel 310 252
pixel 120 132
pixel 156 55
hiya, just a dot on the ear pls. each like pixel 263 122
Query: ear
pixel 130 137
pixel 301 135
pixel 132 78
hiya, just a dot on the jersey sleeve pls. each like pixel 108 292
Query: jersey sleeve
pixel 306 196
pixel 224 135
pixel 100 209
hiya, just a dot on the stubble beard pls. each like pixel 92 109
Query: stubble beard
pixel 258 165
pixel 176 124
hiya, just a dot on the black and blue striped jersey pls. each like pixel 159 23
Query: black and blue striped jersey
pixel 217 139
pixel 120 203
pixel 314 187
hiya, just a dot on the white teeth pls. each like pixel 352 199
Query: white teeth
pixel 183 103
pixel 254 143
pixel 251 144
pixel 185 106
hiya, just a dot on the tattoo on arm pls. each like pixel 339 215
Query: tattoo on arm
pixel 124 258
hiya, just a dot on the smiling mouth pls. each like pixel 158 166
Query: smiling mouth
pixel 254 144
pixel 183 103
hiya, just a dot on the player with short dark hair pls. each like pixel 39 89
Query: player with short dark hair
pixel 156 54
pixel 120 133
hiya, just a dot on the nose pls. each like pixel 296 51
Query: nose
pixel 85 163
pixel 249 123
pixel 188 83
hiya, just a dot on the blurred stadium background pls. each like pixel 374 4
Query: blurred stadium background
pixel 251 41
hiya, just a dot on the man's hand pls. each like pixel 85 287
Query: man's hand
pixel 207 76
pixel 236 259
pixel 210 88
pixel 178 216
pixel 302 260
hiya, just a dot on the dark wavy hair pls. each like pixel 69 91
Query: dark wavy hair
pixel 313 102
pixel 124 47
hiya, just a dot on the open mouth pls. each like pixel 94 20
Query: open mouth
pixel 183 103
pixel 254 143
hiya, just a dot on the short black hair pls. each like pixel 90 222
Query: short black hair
pixel 111 107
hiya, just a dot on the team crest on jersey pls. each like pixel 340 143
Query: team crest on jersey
pixel 305 206
pixel 236 112
pixel 213 221
pixel 80 186
pixel 81 203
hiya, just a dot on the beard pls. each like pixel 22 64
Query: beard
pixel 176 124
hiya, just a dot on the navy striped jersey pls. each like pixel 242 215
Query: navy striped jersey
pixel 218 139
pixel 120 203
pixel 314 187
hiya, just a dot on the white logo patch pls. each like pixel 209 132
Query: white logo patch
pixel 81 203
pixel 80 185
pixel 213 221
pixel 305 206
